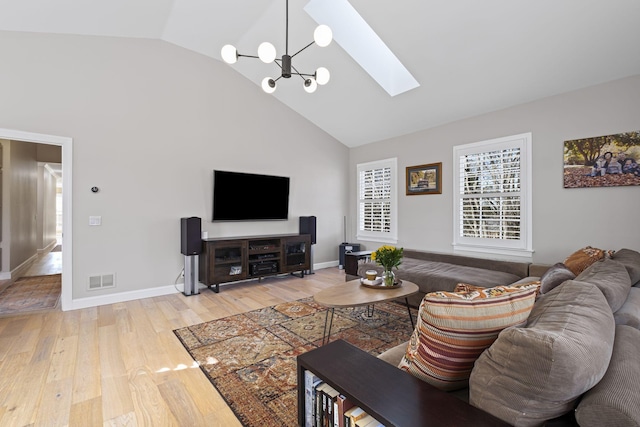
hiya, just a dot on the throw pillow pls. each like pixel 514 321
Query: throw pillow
pixel 629 313
pixel 631 261
pixel 578 261
pixel 465 287
pixel 454 328
pixel 611 278
pixel 554 276
pixel 536 372
pixel 521 284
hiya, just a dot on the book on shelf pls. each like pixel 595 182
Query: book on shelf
pixel 321 405
pixel 366 421
pixel 327 407
pixel 343 404
pixel 352 415
pixel 331 394
pixel 310 383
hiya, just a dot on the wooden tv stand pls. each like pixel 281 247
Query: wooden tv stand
pixel 253 257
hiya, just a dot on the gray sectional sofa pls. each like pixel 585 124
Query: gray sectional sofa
pixel 433 271
pixel 576 361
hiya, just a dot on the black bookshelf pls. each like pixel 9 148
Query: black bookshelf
pixel 392 396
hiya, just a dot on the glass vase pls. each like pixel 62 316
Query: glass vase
pixel 388 278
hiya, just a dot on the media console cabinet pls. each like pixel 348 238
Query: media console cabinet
pixel 240 258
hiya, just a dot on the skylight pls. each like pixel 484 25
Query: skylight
pixel 359 40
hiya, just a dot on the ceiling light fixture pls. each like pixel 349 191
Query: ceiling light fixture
pixel 322 36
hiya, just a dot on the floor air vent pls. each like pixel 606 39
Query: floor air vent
pixel 102 281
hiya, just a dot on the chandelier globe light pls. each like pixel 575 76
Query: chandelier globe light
pixel 322 36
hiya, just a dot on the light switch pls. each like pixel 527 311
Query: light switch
pixel 95 220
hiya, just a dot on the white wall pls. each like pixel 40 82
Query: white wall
pixel 563 219
pixel 149 122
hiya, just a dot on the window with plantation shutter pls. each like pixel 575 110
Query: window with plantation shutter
pixel 377 201
pixel 492 203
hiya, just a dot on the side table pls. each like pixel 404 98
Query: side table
pixel 351 261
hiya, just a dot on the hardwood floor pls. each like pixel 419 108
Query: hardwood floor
pixel 121 364
pixel 45 264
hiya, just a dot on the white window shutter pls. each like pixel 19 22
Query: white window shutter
pixel 492 202
pixel 377 201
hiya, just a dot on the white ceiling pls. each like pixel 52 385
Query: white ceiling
pixel 470 57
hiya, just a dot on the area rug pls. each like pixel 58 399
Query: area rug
pixel 31 293
pixel 251 357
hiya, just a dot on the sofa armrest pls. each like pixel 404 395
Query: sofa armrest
pixel 393 356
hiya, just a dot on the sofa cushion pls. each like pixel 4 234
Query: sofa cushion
pixel 437 276
pixel 454 328
pixel 519 269
pixel 614 400
pixel 536 372
pixel 554 276
pixel 629 313
pixel 433 276
pixel 394 354
pixel 631 261
pixel 578 261
pixel 611 278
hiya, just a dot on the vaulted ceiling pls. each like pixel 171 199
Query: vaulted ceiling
pixel 470 57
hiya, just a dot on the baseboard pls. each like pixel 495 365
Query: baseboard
pixel 48 248
pixel 322 265
pixel 17 272
pixel 88 302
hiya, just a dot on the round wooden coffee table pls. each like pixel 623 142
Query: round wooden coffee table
pixel 353 294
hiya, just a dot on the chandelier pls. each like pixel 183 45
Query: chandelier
pixel 322 36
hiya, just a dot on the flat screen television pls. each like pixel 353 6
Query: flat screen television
pixel 249 197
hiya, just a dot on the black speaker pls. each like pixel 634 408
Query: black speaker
pixel 308 226
pixel 190 235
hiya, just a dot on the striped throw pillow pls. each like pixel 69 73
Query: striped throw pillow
pixel 454 328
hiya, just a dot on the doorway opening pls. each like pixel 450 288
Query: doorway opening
pixel 62 199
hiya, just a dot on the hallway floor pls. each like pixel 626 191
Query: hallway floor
pixel 45 264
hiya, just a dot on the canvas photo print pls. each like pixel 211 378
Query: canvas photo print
pixel 602 161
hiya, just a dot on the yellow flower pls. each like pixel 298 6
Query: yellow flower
pixel 388 256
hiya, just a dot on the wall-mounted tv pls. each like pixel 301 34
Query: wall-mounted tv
pixel 249 197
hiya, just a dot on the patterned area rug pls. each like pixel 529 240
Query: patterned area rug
pixel 251 357
pixel 31 293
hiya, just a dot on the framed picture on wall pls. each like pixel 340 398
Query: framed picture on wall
pixel 602 161
pixel 424 179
